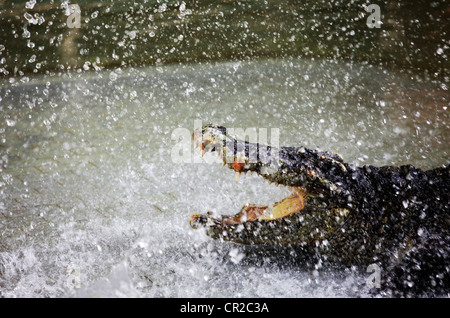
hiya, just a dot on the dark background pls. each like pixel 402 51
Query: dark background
pixel 413 36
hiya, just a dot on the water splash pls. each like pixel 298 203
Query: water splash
pixel 92 205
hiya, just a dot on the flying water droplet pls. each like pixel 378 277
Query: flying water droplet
pixel 113 76
pixel 30 18
pixel 26 34
pixel 30 4
pixel 10 122
pixel 236 256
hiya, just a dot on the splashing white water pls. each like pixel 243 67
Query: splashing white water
pixel 91 204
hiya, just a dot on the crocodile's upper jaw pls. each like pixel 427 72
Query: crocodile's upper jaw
pixel 294 167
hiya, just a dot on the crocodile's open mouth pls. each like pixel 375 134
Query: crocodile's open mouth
pixel 303 217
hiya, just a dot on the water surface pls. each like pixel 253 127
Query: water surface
pixel 92 205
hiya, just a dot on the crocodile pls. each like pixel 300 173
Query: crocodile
pixel 394 216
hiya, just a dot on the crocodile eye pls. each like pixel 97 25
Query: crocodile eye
pixel 238 166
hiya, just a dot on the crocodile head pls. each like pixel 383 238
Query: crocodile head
pixel 319 204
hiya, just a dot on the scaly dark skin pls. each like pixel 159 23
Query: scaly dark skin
pixel 396 217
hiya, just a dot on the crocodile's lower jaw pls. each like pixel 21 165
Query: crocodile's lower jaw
pixel 290 205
